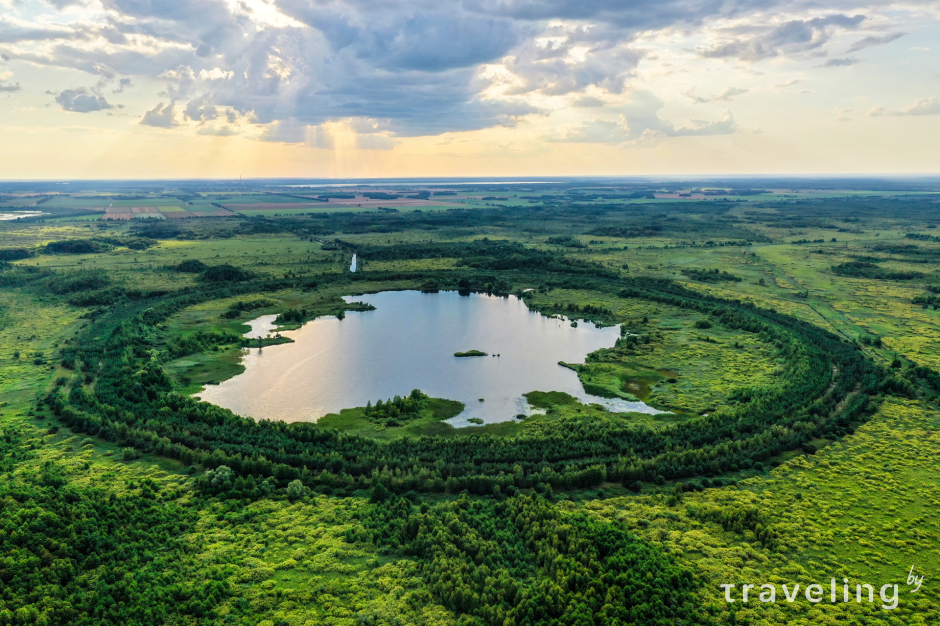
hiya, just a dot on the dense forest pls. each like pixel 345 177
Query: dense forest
pixel 79 555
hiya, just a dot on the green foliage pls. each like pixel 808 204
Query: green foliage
pixel 524 561
pixel 83 556
pixel 224 273
pixel 398 410
pixel 75 246
pixel 292 316
pixel 15 254
pixel 200 341
pixel 862 269
pixel 190 266
pixel 240 307
pixel 568 242
pixel 548 399
pixel 72 282
pixel 710 276
pixel 470 353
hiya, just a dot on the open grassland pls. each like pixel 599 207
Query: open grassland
pixel 860 509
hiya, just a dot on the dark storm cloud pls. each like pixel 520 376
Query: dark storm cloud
pixel 634 16
pixel 425 41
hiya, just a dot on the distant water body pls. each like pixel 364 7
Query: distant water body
pixel 435 183
pixel 19 215
pixel 408 342
pixel 352 266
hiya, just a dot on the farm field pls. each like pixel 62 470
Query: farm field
pixel 791 337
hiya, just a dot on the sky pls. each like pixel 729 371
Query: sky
pixel 385 88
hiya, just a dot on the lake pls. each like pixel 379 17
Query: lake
pixel 408 342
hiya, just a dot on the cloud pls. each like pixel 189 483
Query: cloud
pixel 868 42
pixel 702 128
pixel 201 109
pixel 62 4
pixel 160 116
pixel 123 84
pixel 402 68
pixel 569 60
pixel 639 123
pixel 216 73
pixel 298 132
pixel 220 131
pixel 924 106
pixel 595 131
pixel 726 94
pixel 375 142
pixel 7 86
pixel 587 102
pixel 80 100
pixel 429 41
pixel 792 38
pixel 789 83
pixel 839 63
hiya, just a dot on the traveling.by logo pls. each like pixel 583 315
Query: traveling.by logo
pixel 815 593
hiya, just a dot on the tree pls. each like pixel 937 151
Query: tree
pixel 295 490
pixel 379 493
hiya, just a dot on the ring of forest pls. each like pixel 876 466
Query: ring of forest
pixel 826 389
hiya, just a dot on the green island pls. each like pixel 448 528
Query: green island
pixel 790 338
pixel 471 353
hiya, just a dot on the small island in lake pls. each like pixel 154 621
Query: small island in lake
pixel 471 353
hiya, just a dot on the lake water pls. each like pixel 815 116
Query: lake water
pixel 260 327
pixel 408 342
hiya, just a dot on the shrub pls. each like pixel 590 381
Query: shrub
pixel 225 273
pixel 190 266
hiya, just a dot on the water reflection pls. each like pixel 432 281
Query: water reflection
pixel 408 342
pixel 261 327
